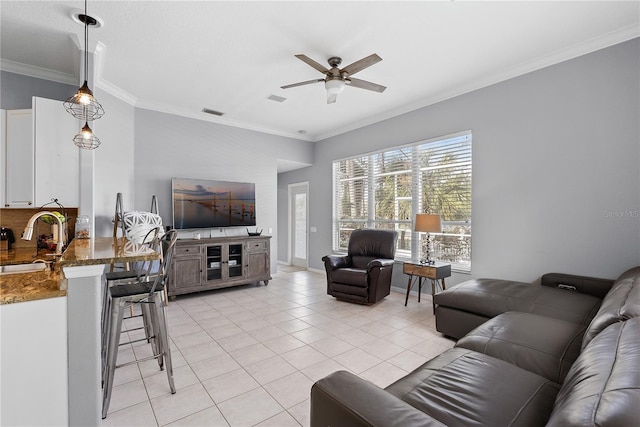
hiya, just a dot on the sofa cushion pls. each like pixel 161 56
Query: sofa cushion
pixel 350 276
pixel 540 344
pixel 456 323
pixel 341 290
pixel 490 297
pixel 460 388
pixel 344 399
pixel 622 302
pixel 602 387
pixel 583 284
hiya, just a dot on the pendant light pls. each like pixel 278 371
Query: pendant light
pixel 86 138
pixel 82 105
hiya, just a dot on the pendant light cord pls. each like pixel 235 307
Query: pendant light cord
pixel 86 43
pixel 83 105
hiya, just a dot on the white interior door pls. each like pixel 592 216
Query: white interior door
pixel 299 222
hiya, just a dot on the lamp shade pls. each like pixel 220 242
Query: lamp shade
pixel 428 223
pixel 86 139
pixel 82 105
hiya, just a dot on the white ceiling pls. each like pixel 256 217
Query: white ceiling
pixel 181 56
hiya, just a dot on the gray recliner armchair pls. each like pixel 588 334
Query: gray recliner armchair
pixel 364 274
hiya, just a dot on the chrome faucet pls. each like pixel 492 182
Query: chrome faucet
pixel 27 234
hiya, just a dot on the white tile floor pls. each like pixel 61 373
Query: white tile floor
pixel 248 356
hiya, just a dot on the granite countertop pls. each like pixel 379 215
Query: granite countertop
pixel 24 255
pixel 22 287
pixel 105 250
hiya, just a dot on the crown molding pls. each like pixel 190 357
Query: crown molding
pixel 110 88
pixel 583 48
pixel 220 120
pixel 105 85
pixel 37 72
pixel 115 91
pixel 556 57
pixel 579 49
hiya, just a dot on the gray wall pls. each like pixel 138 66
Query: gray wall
pixel 556 160
pixel 114 161
pixel 169 146
pixel 16 90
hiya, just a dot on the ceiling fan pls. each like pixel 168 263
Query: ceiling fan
pixel 336 78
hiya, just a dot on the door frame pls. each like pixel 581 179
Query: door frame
pixel 290 245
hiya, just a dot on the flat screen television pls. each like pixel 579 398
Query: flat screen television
pixel 203 203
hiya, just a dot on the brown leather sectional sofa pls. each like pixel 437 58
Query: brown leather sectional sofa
pixel 539 355
pixel 470 304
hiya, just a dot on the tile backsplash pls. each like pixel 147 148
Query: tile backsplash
pixel 16 220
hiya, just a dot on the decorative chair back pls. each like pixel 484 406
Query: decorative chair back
pixel 138 224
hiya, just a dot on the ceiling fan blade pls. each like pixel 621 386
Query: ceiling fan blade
pixel 363 84
pixel 362 64
pixel 314 64
pixel 331 98
pixel 308 82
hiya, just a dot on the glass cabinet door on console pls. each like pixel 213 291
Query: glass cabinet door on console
pixel 224 261
pixel 214 262
pixel 235 260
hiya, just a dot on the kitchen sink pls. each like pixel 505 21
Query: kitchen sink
pixel 23 268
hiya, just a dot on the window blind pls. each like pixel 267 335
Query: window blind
pixel 386 189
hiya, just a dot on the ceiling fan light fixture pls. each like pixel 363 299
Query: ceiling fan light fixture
pixel 336 79
pixel 334 86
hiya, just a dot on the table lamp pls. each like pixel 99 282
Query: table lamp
pixel 426 223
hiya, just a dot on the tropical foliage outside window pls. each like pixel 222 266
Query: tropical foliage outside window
pixel 386 189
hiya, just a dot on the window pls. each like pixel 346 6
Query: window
pixel 386 189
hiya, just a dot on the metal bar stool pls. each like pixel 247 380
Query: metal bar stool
pixel 150 296
pixel 142 271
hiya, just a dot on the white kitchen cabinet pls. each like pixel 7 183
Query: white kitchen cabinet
pixel 19 160
pixel 40 160
pixel 57 159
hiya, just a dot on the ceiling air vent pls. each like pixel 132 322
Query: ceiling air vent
pixel 276 98
pixel 210 111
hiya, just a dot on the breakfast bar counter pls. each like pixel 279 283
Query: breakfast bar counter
pixel 83 265
pixel 32 286
pixel 24 287
pixel 60 311
pixel 105 250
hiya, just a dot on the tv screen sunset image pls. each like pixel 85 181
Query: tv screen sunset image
pixel 199 203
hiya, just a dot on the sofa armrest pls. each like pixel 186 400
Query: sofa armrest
pixel 336 261
pixel 583 284
pixel 380 262
pixel 344 399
